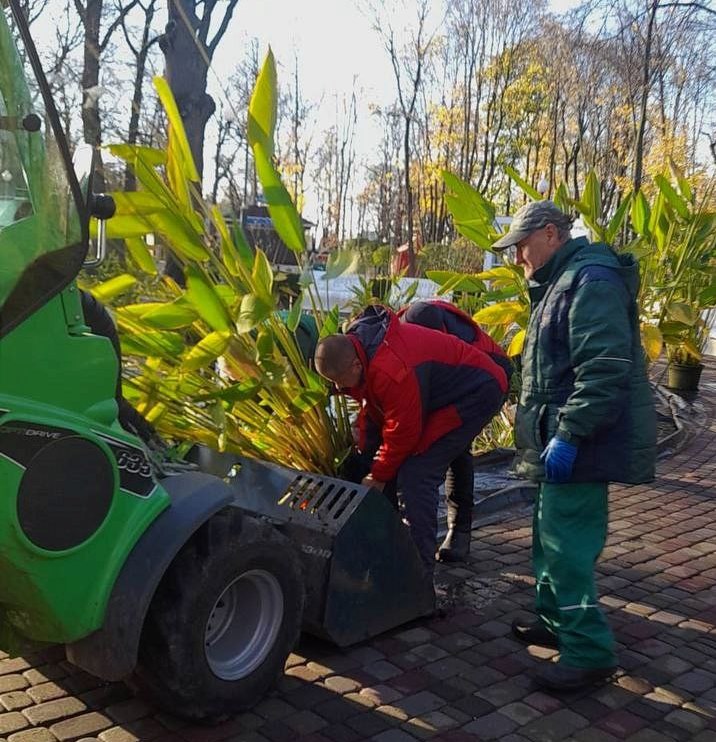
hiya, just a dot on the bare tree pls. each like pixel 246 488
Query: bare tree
pixel 408 64
pixel 140 50
pixel 188 51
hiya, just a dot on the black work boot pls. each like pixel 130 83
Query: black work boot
pixel 558 676
pixel 534 632
pixel 456 545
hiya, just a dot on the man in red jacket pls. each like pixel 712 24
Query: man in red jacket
pixel 460 478
pixel 425 393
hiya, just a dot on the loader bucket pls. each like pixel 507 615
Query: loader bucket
pixel 362 572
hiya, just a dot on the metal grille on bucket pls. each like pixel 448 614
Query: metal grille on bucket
pixel 315 496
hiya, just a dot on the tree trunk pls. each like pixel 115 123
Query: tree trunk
pixel 646 85
pixel 186 71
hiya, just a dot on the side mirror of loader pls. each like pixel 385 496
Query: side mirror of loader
pixel 100 206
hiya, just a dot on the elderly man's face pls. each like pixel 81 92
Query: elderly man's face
pixel 537 248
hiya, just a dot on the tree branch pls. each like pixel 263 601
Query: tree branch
pixel 222 28
pixel 119 20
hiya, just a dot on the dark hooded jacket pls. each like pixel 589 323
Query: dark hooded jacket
pixel 414 381
pixel 583 368
pixel 446 317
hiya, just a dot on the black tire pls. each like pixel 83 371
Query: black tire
pixel 181 654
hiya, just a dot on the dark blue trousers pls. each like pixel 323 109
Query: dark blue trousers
pixel 420 476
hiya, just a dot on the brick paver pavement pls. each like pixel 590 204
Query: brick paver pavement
pixel 462 677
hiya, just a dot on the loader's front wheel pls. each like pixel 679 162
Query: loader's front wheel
pixel 223 620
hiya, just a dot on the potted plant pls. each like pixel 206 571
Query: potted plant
pixel 686 340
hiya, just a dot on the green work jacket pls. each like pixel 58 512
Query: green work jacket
pixel 583 368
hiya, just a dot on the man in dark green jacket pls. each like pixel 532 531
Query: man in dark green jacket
pixel 585 418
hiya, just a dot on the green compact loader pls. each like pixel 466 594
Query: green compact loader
pixel 191 586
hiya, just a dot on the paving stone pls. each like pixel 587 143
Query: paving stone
pixel 340 684
pixel 380 694
pixel 127 711
pixel 305 722
pixel 420 703
pixel 520 713
pixel 491 726
pixel 686 720
pixel 273 709
pixel 394 735
pixel 694 682
pixel 382 670
pixel 15 665
pixel 649 735
pixel 621 723
pixel 38 734
pixel 556 726
pixel 53 710
pixel 429 652
pixel 592 734
pixel 341 733
pixel 12 722
pixel 118 734
pixel 80 726
pixel 367 724
pixel 474 706
pixel 46 692
pixel 10 683
pixel 415 636
pixel 16 700
pixel 502 693
pixel 447 667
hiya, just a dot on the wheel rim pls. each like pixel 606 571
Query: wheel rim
pixel 243 625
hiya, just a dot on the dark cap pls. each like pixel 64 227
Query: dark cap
pixel 529 218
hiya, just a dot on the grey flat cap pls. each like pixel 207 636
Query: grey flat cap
pixel 530 217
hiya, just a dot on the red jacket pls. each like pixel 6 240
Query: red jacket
pixel 414 380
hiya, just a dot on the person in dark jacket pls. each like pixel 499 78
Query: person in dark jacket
pixel 585 418
pixel 425 395
pixel 460 479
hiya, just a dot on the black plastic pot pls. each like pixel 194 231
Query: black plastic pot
pixel 684 377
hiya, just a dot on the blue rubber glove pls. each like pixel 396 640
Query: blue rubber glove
pixel 558 460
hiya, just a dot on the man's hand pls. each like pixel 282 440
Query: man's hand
pixel 558 460
pixel 370 482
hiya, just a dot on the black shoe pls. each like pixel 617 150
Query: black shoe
pixel 557 676
pixel 455 547
pixel 534 632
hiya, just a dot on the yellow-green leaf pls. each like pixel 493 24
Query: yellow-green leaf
pixel 171 316
pixel 283 213
pixel 252 312
pixel 108 290
pixel 640 214
pixel 680 312
pixel 207 350
pixel 203 297
pixel 262 107
pixel 503 313
pixel 152 343
pixel 652 341
pixel 134 203
pixel 517 343
pixel 139 252
pixel 122 227
pixel 180 236
pixel 262 277
pixel 533 193
pixel 294 315
pixel 177 127
pixel 131 152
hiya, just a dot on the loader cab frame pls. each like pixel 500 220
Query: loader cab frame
pixel 43 212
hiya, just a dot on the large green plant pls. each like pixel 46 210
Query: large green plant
pixel 676 242
pixel 673 237
pixel 213 361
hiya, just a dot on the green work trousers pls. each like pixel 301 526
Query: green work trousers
pixel 569 531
